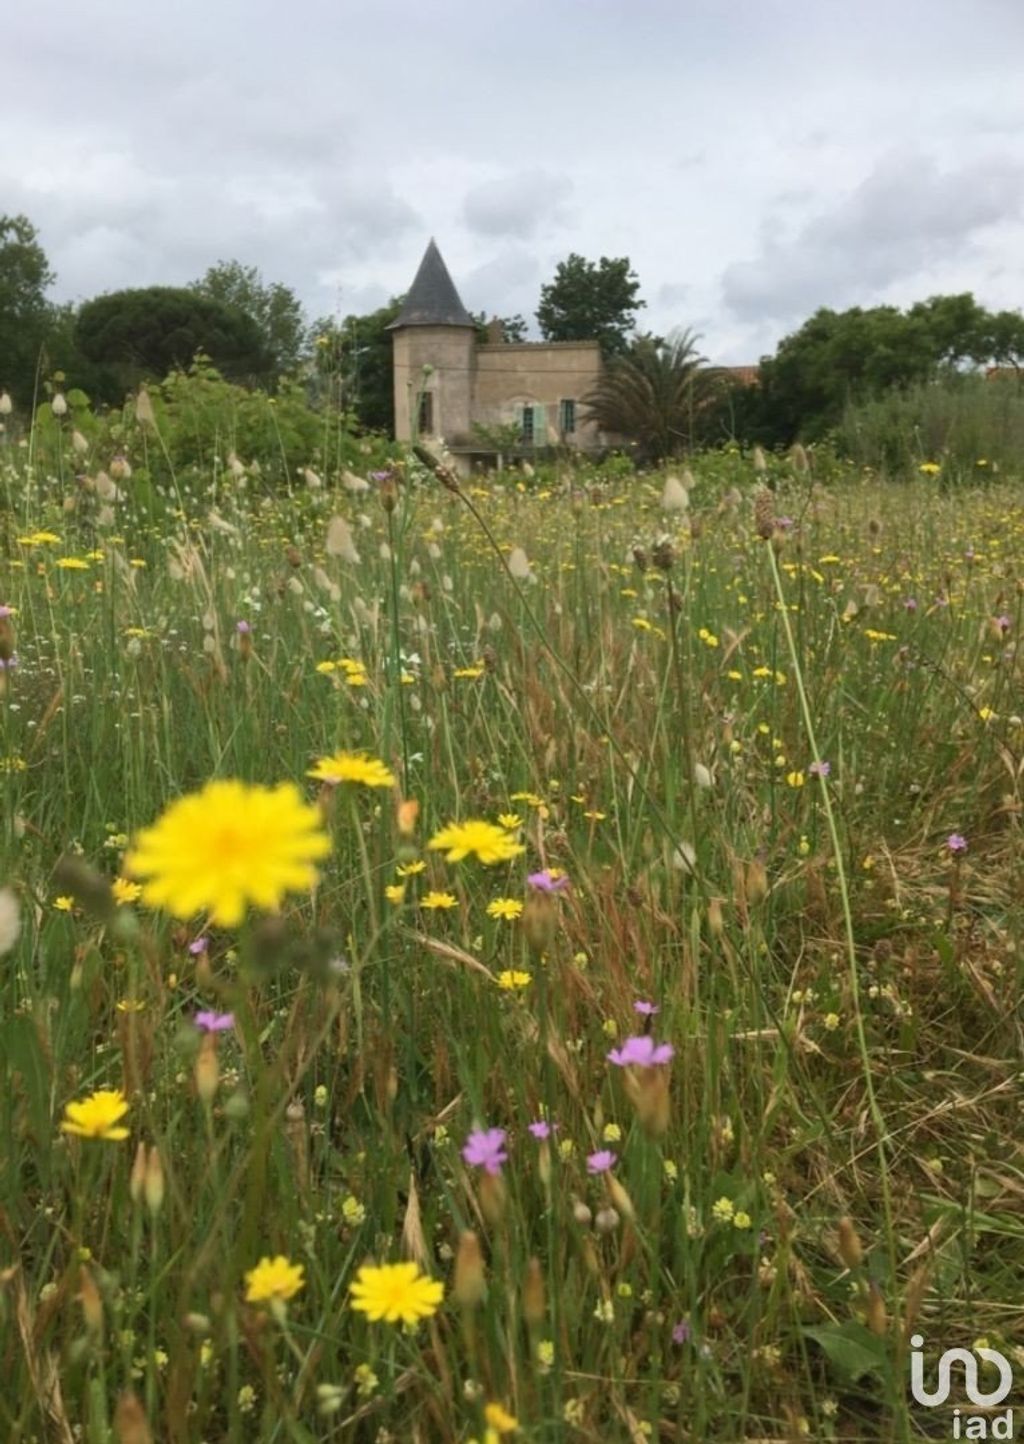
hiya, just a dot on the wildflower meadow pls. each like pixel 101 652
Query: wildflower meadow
pixel 525 957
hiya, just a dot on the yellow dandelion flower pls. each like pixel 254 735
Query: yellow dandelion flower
pixel 411 869
pixel 64 904
pixel 395 1293
pixel 485 840
pixel 433 900
pixel 795 779
pixel 510 820
pixel 470 672
pixel 395 893
pixel 508 908
pixel 511 980
pixel 125 891
pixel 229 846
pixel 273 1280
pixel 497 1417
pixel 98 1116
pixel 352 767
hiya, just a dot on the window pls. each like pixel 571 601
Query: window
pixel 567 417
pixel 528 430
pixel 425 424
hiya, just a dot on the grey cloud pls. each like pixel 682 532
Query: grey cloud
pixel 518 205
pixel 906 216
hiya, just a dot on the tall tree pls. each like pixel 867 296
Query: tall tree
pixel 355 356
pixel 25 276
pixel 513 328
pixel 146 333
pixel 591 302
pixel 275 308
pixel 656 394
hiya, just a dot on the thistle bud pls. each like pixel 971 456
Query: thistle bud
pixel 207 1072
pixel 120 469
pixel 137 1178
pixel 534 1308
pixel 79 444
pixel 850 1250
pixel 470 1283
pixel 91 1301
pixel 764 515
pixel 130 1425
pixel 581 1213
pixel 58 405
pixel 154 1181
pixel 606 1220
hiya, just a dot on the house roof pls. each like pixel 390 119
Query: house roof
pixel 432 299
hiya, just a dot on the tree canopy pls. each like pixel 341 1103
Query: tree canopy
pixel 25 276
pixel 275 308
pixel 591 302
pixel 355 357
pixel 146 333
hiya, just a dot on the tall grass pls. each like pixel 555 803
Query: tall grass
pixel 839 1165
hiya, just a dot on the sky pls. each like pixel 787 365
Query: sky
pixel 755 159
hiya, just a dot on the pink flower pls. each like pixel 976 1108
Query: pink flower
pixel 199 946
pixel 956 842
pixel 542 1128
pixel 547 882
pixel 641 1052
pixel 485 1148
pixel 646 1009
pixel 209 1022
pixel 601 1161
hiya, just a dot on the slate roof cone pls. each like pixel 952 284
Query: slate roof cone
pixel 432 299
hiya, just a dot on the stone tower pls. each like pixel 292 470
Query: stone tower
pixel 434 352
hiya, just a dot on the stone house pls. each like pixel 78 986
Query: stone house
pixel 525 395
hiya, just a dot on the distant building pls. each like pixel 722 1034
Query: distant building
pixel 448 382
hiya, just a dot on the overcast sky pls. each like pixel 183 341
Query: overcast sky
pixel 755 159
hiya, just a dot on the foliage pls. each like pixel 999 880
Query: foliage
pixel 972 425
pixel 590 301
pixel 25 276
pixel 838 359
pixel 142 335
pixel 513 328
pixel 655 395
pixel 275 308
pixel 354 365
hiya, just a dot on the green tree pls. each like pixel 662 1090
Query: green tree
pixel 591 302
pixel 513 328
pixel 145 334
pixel 275 309
pixel 657 395
pixel 354 358
pixel 25 276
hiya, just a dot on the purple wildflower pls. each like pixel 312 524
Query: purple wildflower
pixel 547 881
pixel 682 1332
pixel 820 769
pixel 647 1010
pixel 199 946
pixel 956 842
pixel 1003 623
pixel 485 1148
pixel 601 1161
pixel 381 475
pixel 209 1022
pixel 542 1128
pixel 641 1052
pixel 911 604
pixel 243 627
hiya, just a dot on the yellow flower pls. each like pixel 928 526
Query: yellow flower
pixel 500 1420
pixel 97 1116
pixel 434 899
pixel 64 904
pixel 511 980
pixel 795 779
pixel 395 1293
pixel 510 821
pixel 505 907
pixel 72 564
pixel 273 1279
pixel 486 840
pixel 130 1005
pixel 228 846
pixel 471 672
pixel 410 869
pixel 929 468
pixel 125 891
pixel 352 767
pixel 395 893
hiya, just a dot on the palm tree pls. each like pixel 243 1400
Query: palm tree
pixel 655 394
